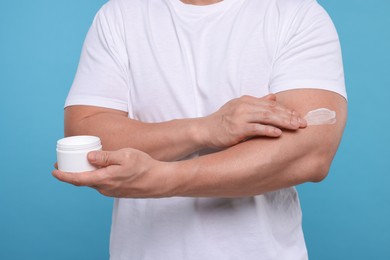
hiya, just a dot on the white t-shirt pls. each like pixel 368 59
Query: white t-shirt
pixel 161 60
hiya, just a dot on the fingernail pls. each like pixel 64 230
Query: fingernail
pixel 302 121
pixel 277 131
pixel 92 156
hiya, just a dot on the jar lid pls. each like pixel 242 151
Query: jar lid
pixel 79 142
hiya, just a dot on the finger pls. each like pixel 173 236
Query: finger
pixel 275 106
pixel 270 109
pixel 262 130
pixel 56 165
pixel 289 119
pixel 278 119
pixel 254 104
pixel 105 158
pixel 250 104
pixel 267 103
pixel 92 178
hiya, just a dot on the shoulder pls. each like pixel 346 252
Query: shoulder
pixel 125 11
pixel 115 7
pixel 293 8
pixel 117 11
pixel 112 17
pixel 292 16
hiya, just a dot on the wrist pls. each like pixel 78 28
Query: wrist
pixel 199 132
pixel 178 177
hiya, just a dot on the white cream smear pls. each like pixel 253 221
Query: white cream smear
pixel 320 116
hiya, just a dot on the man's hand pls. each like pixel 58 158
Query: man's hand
pixel 124 173
pixel 246 117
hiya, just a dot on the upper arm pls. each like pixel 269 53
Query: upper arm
pixel 102 78
pixel 320 142
pixel 75 115
pixel 307 74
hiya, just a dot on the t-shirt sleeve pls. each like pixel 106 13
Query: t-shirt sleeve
pixel 103 73
pixel 308 53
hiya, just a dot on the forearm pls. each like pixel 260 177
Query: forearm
pixel 251 168
pixel 235 121
pixel 166 141
pixel 263 165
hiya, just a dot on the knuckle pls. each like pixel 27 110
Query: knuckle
pixel 294 121
pixel 245 97
pixel 127 155
pixel 269 130
pixel 272 104
pixel 105 158
pixel 253 129
pixel 231 102
pixel 295 113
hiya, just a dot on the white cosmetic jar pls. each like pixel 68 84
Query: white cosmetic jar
pixel 72 153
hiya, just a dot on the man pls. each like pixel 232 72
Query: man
pixel 186 88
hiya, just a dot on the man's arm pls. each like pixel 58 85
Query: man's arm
pixel 249 168
pixel 237 120
pixel 262 164
pixel 163 141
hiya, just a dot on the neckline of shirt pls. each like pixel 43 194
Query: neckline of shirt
pixel 202 9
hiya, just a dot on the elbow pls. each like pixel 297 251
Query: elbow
pixel 320 172
pixel 319 161
pixel 319 169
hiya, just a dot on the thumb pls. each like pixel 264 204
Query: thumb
pixel 103 158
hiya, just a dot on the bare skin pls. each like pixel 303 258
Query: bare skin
pixel 234 122
pixel 248 168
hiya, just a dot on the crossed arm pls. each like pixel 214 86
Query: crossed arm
pixel 172 140
pixel 252 167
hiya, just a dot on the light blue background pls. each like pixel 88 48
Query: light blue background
pixel 347 216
